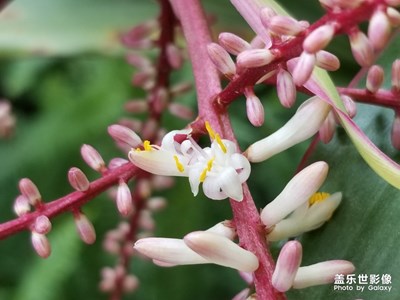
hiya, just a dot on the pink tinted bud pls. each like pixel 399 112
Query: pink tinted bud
pixel 21 205
pixel 285 25
pixel 144 78
pixel 42 225
pixel 254 108
pixel 266 14
pixel 136 106
pixel 138 61
pixel 303 69
pixel 233 43
pixel 396 76
pixel 174 56
pixel 375 78
pixel 156 204
pixel 138 37
pixel 242 295
pixel 181 111
pixel 130 283
pixel 116 163
pixel 379 30
pixel 107 283
pixel 327 61
pixel 143 188
pixel 124 135
pixel 350 105
pixel 41 244
pixel 394 16
pixel 247 277
pixel 93 158
pixel 162 182
pixel 328 127
pixel 133 124
pixel 159 99
pixel 85 228
pixel 181 88
pixel 146 221
pixel 287 265
pixel 78 180
pixel 30 191
pixel 149 128
pixel 221 59
pixel 395 134
pixel 254 58
pixel 361 48
pixel 286 88
pixel 124 199
pixel 319 38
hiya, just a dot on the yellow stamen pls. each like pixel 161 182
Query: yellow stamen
pixel 179 165
pixel 147 146
pixel 318 197
pixel 210 131
pixel 220 143
pixel 203 174
pixel 210 163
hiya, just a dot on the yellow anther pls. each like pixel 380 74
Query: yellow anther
pixel 203 175
pixel 318 197
pixel 179 165
pixel 210 131
pixel 220 143
pixel 210 163
pixel 147 146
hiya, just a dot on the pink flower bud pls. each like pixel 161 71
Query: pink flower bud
pixel 319 38
pixel 156 204
pixel 93 158
pixel 221 250
pixel 149 128
pixel 78 180
pixel 41 244
pixel 379 30
pixel 350 105
pixel 138 37
pixel 266 14
pixel 143 188
pixel 162 182
pixel 288 263
pixel 159 99
pixel 233 43
pixel 116 163
pixel 221 59
pixel 146 220
pixel 144 78
pixel 124 135
pixel 285 88
pixel 303 69
pixel 30 191
pixel 254 58
pixel 181 111
pixel 174 56
pixel 395 135
pixel 180 88
pixel 254 108
pixel 242 295
pixel 42 225
pixel 136 106
pixel 327 61
pixel 138 61
pixel 394 16
pixel 21 205
pixel 285 25
pixel 124 199
pixel 7 120
pixel 328 127
pixel 396 76
pixel 130 283
pixel 361 48
pixel 375 78
pixel 85 228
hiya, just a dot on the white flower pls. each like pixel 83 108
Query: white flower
pixel 220 168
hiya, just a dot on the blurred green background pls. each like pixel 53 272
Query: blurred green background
pixel 64 72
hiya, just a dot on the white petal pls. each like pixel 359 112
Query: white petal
pixel 322 211
pixel 194 178
pixel 240 163
pixel 212 189
pixel 224 228
pixel 285 229
pixel 230 184
pixel 168 142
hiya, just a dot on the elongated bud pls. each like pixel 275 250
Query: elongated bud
pixel 396 76
pixel 327 61
pixel 350 105
pixel 288 263
pixel 124 199
pixel 41 244
pixel 224 228
pixel 21 205
pixel 138 61
pixel 303 69
pixel 174 56
pixel 254 58
pixel 146 220
pixel 221 59
pixel 116 163
pixel 144 78
pixel 379 30
pixel 266 14
pixel 327 130
pixel 286 88
pixel 138 37
pixel 93 158
pixel 136 106
pixel 42 225
pixel 394 16
pixel 303 125
pixel 162 182
pixel 180 88
pixel 181 111
pixel 221 250
pixel 233 43
pixel 395 134
pixel 156 204
pixel 124 135
pixel 78 179
pixel 130 283
pixel 285 25
pixel 298 190
pixel 170 251
pixel 361 48
pixel 254 108
pixel 321 273
pixel 374 78
pixel 84 228
pixel 319 38
pixel 30 191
